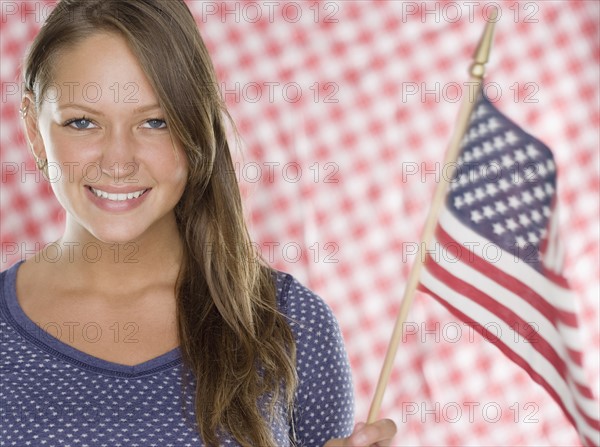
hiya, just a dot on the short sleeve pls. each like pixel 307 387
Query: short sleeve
pixel 324 401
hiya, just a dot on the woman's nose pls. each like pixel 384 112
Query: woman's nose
pixel 118 159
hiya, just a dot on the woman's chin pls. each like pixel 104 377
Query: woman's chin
pixel 116 236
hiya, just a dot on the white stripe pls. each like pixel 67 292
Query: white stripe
pixel 537 361
pixel 554 294
pixel 556 336
pixel 560 256
pixel 549 258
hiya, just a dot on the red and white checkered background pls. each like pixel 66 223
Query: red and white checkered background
pixel 338 104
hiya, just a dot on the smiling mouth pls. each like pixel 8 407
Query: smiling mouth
pixel 118 197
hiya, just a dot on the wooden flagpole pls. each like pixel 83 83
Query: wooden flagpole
pixel 477 71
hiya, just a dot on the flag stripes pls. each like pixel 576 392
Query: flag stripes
pixel 548 358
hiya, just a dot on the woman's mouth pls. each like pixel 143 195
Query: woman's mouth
pixel 117 197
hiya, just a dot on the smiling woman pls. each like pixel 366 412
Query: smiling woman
pixel 127 139
pixel 122 96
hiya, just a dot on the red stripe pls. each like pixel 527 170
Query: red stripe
pixel 551 313
pixel 555 277
pixel 513 320
pixel 513 356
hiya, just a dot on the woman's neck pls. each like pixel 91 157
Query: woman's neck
pixel 154 257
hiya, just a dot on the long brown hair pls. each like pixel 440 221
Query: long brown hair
pixel 239 348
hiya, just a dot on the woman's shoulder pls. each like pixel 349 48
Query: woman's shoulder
pixel 297 300
pixel 308 314
pixel 8 277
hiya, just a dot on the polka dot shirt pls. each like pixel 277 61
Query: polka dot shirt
pixel 55 395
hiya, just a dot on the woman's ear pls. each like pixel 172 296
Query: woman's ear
pixel 29 116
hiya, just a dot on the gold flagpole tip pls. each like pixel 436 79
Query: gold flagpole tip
pixel 482 52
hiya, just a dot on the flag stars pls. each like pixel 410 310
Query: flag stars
pixel 503 185
pixel 532 152
pixel 499 229
pixel 530 173
pixel 546 211
pixel 517 178
pixel 493 124
pixel 483 171
pixel 520 156
pixel 476 216
pixel 479 193
pixel 511 225
pixel 488 212
pixel 507 162
pixel 524 220
pixel 477 153
pixel 541 170
pixel 538 192
pixel 511 138
pixel 487 147
pixel 514 202
pixel 491 189
pixel 468 198
pixel 526 197
pixel 481 111
pixel 499 143
pixel 533 238
pixel 550 165
pixel 501 207
pixel 549 188
pixel 536 216
pixel 521 242
pixel 458 202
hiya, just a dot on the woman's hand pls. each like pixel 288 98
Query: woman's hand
pixel 379 433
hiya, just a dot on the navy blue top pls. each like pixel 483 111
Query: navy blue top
pixel 55 395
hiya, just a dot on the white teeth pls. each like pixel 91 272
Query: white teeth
pixel 117 197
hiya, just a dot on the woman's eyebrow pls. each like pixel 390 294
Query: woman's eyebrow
pixel 146 108
pixel 82 107
pixel 137 110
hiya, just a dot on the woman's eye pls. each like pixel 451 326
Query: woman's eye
pixel 155 124
pixel 80 124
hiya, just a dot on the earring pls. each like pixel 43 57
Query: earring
pixel 23 112
pixel 42 163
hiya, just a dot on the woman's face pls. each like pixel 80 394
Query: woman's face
pixel 112 162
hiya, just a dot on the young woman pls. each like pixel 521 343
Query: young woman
pixel 124 118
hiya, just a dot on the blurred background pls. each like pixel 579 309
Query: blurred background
pixel 345 110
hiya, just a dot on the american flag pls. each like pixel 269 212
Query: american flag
pixel 495 260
